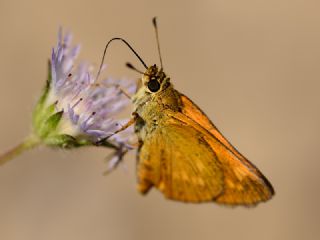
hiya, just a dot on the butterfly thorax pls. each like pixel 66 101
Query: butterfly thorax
pixel 154 98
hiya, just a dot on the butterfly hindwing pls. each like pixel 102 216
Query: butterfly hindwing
pixel 178 161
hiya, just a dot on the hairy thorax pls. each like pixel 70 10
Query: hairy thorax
pixel 152 108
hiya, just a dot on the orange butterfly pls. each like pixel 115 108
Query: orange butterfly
pixel 182 153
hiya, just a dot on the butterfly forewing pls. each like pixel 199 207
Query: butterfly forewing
pixel 243 182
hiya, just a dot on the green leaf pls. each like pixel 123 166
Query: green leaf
pixel 50 124
pixel 63 141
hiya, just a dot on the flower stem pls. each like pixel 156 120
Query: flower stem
pixel 27 144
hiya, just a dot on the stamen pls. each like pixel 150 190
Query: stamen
pixel 85 124
pixel 92 114
pixel 56 105
pixel 74 105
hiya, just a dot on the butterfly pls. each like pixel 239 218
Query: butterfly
pixel 182 153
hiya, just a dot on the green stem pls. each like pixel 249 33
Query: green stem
pixel 27 144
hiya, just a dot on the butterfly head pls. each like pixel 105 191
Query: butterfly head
pixel 155 80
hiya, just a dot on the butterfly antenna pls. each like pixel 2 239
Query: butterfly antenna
pixel 128 45
pixel 154 21
pixel 129 65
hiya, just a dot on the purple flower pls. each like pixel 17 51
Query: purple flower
pixel 89 107
pixel 76 109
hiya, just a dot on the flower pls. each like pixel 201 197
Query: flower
pixel 76 109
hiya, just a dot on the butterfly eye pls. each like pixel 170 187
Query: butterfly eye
pixel 153 85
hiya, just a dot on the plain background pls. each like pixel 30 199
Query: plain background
pixel 252 66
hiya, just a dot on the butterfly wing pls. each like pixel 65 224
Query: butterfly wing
pixel 244 183
pixel 178 161
pixel 188 163
pixel 192 111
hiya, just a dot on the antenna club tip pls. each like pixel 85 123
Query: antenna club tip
pixel 154 21
pixel 129 65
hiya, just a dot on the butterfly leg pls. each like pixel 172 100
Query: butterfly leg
pixel 116 158
pixel 124 92
pixel 124 127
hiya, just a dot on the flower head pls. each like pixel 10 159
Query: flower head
pixel 75 108
pixel 87 109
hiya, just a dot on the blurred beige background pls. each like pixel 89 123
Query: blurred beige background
pixel 253 67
